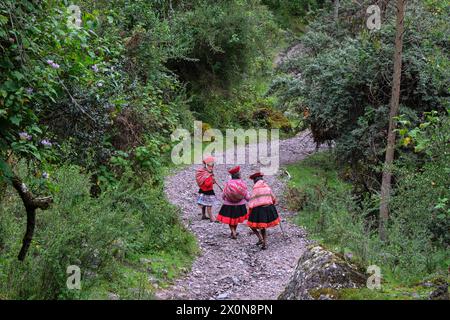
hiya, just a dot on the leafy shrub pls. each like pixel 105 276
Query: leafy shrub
pixel 341 82
pixel 417 245
pixel 79 230
pixel 294 14
pixel 225 40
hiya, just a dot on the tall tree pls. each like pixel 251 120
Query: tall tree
pixel 336 10
pixel 394 107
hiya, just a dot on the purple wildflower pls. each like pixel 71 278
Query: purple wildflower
pixel 25 136
pixel 100 84
pixel 29 90
pixel 53 64
pixel 45 175
pixel 46 143
pixel 349 255
pixel 95 68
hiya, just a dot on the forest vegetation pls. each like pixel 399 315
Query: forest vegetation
pixel 86 116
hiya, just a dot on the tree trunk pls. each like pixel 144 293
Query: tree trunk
pixel 394 107
pixel 336 10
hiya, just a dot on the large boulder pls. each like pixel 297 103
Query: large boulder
pixel 320 274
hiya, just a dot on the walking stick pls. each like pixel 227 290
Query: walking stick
pixel 221 189
pixel 281 227
pixel 218 186
pixel 282 230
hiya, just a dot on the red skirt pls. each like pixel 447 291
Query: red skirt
pixel 232 215
pixel 263 217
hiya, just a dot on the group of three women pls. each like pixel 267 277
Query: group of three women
pixel 239 205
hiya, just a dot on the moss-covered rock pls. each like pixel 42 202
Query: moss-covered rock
pixel 320 274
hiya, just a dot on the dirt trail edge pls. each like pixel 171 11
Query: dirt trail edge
pixel 238 269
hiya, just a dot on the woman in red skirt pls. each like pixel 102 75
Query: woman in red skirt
pixel 235 196
pixel 262 211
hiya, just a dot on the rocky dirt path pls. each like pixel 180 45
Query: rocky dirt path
pixel 238 269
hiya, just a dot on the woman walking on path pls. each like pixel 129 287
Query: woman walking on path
pixel 262 211
pixel 205 180
pixel 235 196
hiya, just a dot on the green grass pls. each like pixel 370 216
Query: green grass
pixel 142 275
pixel 312 177
pixel 388 291
pixel 392 288
pixel 316 170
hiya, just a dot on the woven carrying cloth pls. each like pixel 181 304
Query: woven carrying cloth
pixel 262 195
pixel 235 190
pixel 201 176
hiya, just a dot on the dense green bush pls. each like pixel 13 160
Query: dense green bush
pixel 294 14
pixel 420 206
pixel 344 76
pixel 226 39
pixel 93 234
pixel 109 89
pixel 93 109
pixel 417 246
pixel 85 86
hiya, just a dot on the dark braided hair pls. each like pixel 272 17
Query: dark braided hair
pixel 236 175
pixel 257 179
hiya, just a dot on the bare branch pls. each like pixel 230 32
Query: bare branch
pixel 31 203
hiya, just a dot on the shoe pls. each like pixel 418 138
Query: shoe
pixel 259 243
pixel 264 246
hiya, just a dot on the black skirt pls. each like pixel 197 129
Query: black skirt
pixel 263 217
pixel 232 215
pixel 208 193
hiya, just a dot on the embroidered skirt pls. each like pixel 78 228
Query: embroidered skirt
pixel 207 198
pixel 232 215
pixel 263 217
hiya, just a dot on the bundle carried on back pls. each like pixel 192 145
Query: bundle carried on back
pixel 262 195
pixel 235 190
pixel 201 176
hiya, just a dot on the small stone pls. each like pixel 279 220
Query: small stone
pixel 222 296
pixel 152 280
pixel 113 296
pixel 145 261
